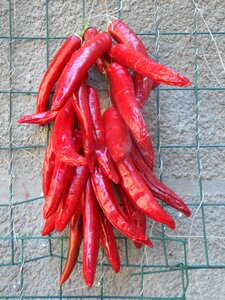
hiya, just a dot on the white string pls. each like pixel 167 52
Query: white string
pixel 210 32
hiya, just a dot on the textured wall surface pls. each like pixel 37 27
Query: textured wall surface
pixel 187 127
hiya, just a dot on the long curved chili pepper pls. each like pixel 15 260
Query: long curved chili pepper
pixel 158 188
pixel 49 225
pixel 76 235
pixel 108 241
pixel 125 35
pixel 40 118
pixel 102 154
pixel 117 134
pixel 81 106
pixel 60 181
pixel 145 153
pixel 62 137
pixel 91 234
pixel 77 67
pixel 136 189
pixel 54 71
pixel 143 65
pixel 134 214
pixel 102 61
pixel 122 89
pixel 48 168
pixel 71 203
pixel 112 210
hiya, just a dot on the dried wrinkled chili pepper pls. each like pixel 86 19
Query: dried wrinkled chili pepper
pixel 158 188
pixel 54 71
pixel 111 208
pixel 143 65
pixel 133 212
pixel 122 89
pixel 125 35
pixel 108 241
pixel 40 118
pixel 77 67
pixel 91 234
pixel 60 181
pixel 73 200
pixel 81 106
pixel 136 189
pixel 48 168
pixel 102 154
pixel 117 134
pixel 49 225
pixel 76 235
pixel 62 137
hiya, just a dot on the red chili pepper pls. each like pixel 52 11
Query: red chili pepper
pixel 91 234
pixel 50 223
pixel 145 154
pixel 48 168
pixel 76 235
pixel 54 71
pixel 112 210
pixel 122 89
pixel 103 60
pixel 133 212
pixel 72 202
pixel 82 109
pixel 102 154
pixel 155 84
pixel 158 188
pixel 117 134
pixel 136 189
pixel 77 67
pixel 62 137
pixel 143 65
pixel 108 241
pixel 40 118
pixel 125 35
pixel 60 182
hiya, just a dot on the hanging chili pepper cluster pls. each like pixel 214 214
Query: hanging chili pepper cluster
pixel 98 169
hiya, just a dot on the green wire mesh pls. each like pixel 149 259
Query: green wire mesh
pixel 162 264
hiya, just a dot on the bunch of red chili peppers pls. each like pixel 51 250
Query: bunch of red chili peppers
pixel 98 169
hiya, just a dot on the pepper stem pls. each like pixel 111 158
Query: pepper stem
pixel 85 26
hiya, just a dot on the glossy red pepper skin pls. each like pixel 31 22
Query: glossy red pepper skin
pixel 62 137
pixel 48 168
pixel 54 71
pixel 80 62
pixel 73 200
pixel 117 134
pixel 158 188
pixel 122 89
pixel 102 154
pixel 82 109
pixel 112 210
pixel 125 35
pixel 108 241
pixel 145 66
pixel 145 153
pixel 138 192
pixel 40 118
pixel 91 234
pixel 134 214
pixel 60 181
pixel 103 60
pixel 49 225
pixel 76 235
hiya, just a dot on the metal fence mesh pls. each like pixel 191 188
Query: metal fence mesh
pixel 142 270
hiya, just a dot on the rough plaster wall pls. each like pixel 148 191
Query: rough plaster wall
pixel 177 127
